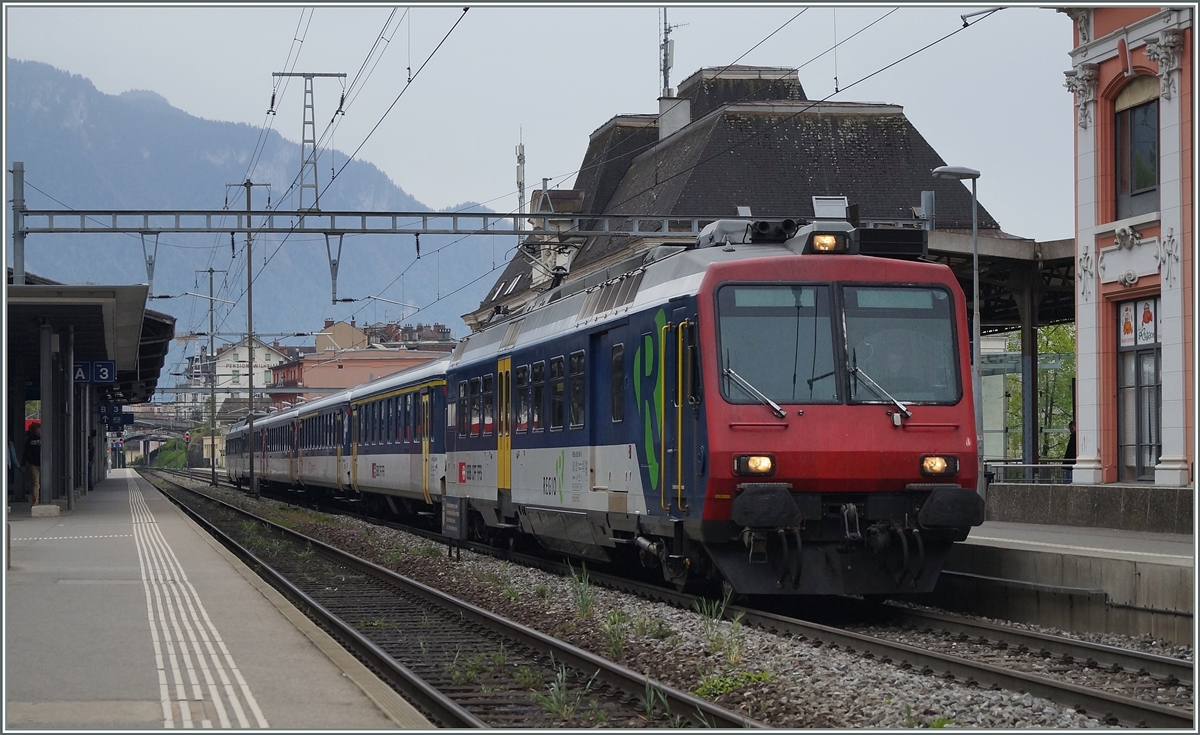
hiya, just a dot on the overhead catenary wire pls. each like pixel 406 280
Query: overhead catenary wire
pixel 783 120
pixel 369 134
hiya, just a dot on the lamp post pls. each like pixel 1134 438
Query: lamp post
pixel 959 173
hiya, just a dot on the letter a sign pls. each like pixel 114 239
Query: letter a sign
pixel 83 372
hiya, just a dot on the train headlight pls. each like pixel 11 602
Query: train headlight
pixel 939 465
pixel 828 243
pixel 754 464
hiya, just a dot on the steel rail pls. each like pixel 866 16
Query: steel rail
pixel 442 707
pixel 699 711
pixel 1083 699
pixel 1153 664
pixel 1088 701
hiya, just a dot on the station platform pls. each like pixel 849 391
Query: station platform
pixel 1086 579
pixel 122 614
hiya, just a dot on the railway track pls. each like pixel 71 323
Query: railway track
pixel 462 665
pixel 973 669
pixel 1068 650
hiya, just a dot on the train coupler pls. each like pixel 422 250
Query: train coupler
pixel 756 542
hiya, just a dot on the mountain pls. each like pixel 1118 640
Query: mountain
pixel 83 149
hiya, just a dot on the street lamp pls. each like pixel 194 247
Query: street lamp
pixel 959 173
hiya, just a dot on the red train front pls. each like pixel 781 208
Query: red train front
pixel 841 452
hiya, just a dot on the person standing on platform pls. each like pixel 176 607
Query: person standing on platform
pixel 1069 455
pixel 32 462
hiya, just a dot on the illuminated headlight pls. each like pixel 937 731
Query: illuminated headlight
pixel 939 464
pixel 754 464
pixel 826 243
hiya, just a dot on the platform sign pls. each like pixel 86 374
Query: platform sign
pixel 99 371
pixel 107 410
pixel 126 418
pixel 454 518
pixel 104 371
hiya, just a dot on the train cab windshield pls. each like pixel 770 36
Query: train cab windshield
pixel 903 339
pixel 781 341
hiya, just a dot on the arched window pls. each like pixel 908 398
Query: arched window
pixel 1136 132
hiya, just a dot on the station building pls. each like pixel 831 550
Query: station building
pixel 1132 76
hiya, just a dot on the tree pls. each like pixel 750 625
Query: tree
pixel 1055 397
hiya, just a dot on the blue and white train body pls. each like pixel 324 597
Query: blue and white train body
pixel 771 408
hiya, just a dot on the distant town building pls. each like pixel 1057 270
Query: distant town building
pixel 341 336
pixel 313 375
pixel 434 337
pixel 381 349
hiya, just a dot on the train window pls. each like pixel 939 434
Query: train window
pixel 488 404
pixel 476 406
pixel 462 408
pixel 577 390
pixel 902 338
pixel 557 384
pixel 777 338
pixel 408 417
pixel 617 386
pixel 522 396
pixel 538 403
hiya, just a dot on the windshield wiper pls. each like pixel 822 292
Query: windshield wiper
pixel 745 384
pixel 878 389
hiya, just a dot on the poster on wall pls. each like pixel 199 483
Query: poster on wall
pixel 1126 331
pixel 1146 322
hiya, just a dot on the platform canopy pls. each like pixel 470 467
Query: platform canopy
pixel 111 323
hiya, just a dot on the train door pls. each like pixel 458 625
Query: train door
pixel 294 452
pixel 504 423
pixel 679 358
pixel 338 443
pixel 355 415
pixel 611 445
pixel 424 428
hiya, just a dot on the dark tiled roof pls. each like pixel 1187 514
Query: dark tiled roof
pixel 772 157
pixel 609 152
pixel 708 89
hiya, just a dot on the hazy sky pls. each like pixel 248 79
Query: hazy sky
pixel 990 97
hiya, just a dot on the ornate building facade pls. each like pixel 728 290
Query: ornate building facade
pixel 1132 78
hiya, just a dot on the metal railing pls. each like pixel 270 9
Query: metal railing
pixel 1044 472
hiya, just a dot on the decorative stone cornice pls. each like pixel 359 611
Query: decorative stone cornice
pixel 1168 257
pixel 1086 273
pixel 1083 22
pixel 1082 81
pixel 1165 51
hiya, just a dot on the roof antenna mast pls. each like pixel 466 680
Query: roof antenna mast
pixel 668 54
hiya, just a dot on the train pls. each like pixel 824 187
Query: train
pixel 781 407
